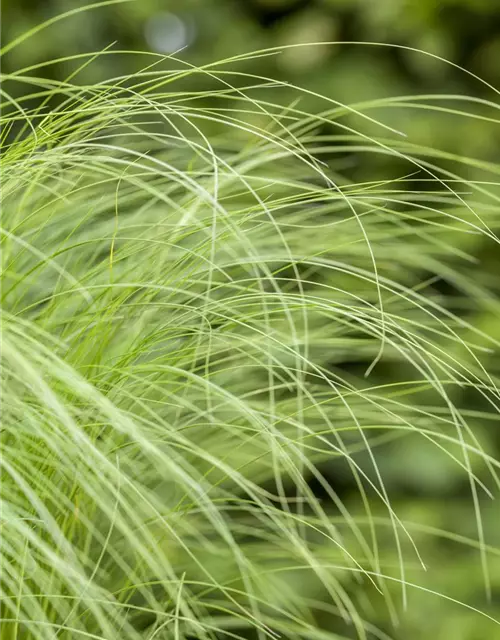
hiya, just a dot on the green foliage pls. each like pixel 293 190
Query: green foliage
pixel 208 314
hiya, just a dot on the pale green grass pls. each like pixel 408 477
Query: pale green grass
pixel 181 278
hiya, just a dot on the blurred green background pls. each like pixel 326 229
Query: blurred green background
pixel 423 485
pixel 466 32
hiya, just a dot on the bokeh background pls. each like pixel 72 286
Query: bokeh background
pixel 423 486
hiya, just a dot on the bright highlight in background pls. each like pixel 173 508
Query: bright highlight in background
pixel 167 32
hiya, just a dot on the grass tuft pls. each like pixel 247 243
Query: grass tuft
pixel 203 315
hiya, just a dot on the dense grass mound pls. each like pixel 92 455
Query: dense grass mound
pixel 185 275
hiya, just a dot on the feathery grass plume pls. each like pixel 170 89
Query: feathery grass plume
pixel 183 274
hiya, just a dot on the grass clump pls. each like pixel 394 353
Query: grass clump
pixel 185 275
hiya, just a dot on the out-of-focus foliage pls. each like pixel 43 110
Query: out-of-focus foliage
pixel 466 32
pixel 424 486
